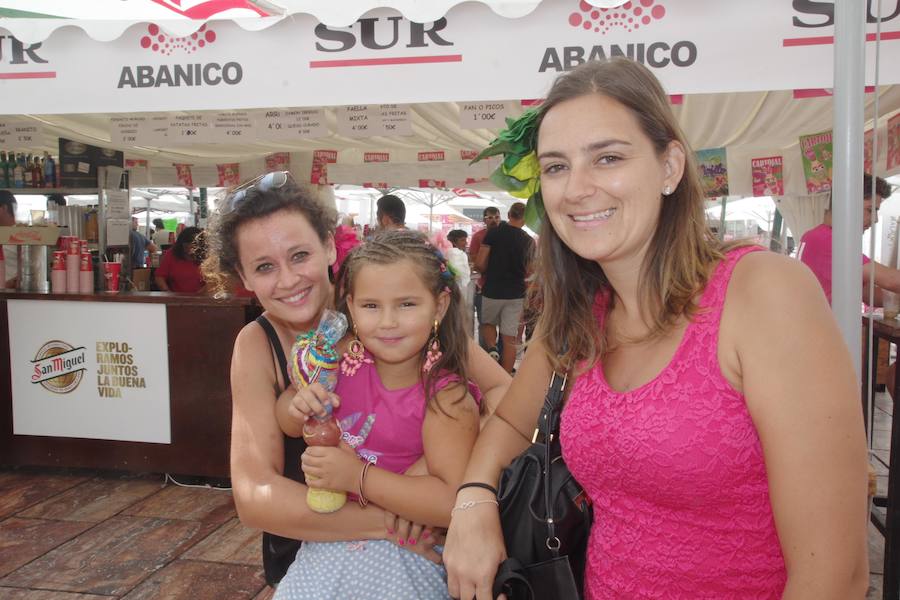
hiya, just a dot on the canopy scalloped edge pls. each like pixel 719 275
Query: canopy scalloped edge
pixel 342 13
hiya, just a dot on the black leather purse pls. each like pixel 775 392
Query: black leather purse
pixel 545 514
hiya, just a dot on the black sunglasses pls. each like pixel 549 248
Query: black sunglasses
pixel 263 183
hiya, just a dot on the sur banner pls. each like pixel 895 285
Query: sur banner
pixel 712 166
pixel 768 176
pixel 816 153
pixel 469 54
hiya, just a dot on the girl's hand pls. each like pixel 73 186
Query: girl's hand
pixel 474 548
pixel 311 400
pixel 403 532
pixel 332 468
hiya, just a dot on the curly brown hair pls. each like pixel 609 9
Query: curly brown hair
pixel 221 269
pixel 390 247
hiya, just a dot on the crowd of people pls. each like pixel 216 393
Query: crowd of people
pixel 723 458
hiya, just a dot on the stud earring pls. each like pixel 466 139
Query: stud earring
pixel 434 354
pixel 667 190
pixel 355 356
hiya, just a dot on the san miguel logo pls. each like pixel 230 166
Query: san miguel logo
pixel 178 75
pixel 58 367
pixel 630 18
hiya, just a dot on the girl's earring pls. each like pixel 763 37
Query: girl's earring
pixel 667 190
pixel 433 354
pixel 355 356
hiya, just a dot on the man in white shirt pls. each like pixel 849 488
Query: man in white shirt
pixel 458 260
pixel 8 218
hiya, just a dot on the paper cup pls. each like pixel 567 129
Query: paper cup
pixel 111 271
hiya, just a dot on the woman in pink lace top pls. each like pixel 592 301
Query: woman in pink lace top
pixel 715 419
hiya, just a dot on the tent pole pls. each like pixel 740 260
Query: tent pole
pixel 846 206
pixel 722 218
pixel 775 235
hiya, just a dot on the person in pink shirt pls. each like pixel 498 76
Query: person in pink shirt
pixel 815 246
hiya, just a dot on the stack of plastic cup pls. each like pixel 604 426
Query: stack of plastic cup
pixel 73 264
pixel 86 273
pixel 58 273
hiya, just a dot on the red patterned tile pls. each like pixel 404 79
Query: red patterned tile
pixel 112 557
pixel 19 490
pixel 95 500
pixel 190 504
pixel 23 540
pixel 197 580
pixel 230 543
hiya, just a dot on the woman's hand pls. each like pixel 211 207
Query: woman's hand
pixel 474 547
pixel 332 468
pixel 311 400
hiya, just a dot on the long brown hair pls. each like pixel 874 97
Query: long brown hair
pixel 222 263
pixel 682 251
pixel 390 247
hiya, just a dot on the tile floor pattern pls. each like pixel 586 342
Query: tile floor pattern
pixel 75 535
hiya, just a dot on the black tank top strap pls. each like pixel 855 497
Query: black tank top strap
pixel 279 552
pixel 275 342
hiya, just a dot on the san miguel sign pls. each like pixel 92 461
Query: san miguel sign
pixel 470 54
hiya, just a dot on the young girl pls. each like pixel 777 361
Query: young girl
pixel 402 395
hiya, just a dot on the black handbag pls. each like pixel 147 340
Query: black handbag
pixel 545 514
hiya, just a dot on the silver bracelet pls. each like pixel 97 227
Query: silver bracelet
pixel 470 503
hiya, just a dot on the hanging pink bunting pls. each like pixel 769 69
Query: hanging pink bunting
pixel 319 173
pixel 893 142
pixel 229 174
pixel 279 161
pixel 183 172
pixel 768 176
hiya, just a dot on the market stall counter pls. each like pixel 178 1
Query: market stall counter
pixel 134 381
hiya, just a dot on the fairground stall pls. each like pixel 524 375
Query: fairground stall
pixel 202 94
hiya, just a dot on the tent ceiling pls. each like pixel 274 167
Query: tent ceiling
pixel 105 20
pixel 752 120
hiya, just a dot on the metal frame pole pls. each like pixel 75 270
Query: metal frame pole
pixel 846 206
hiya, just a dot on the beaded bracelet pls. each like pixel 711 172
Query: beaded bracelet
pixel 471 503
pixel 361 497
pixel 477 484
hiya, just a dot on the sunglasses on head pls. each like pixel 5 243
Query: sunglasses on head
pixel 262 183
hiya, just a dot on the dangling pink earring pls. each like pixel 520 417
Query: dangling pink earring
pixel 355 356
pixel 434 354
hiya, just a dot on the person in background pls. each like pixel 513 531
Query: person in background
pixel 815 246
pixel 459 263
pixel 491 218
pixel 8 206
pixel 504 257
pixel 710 388
pixel 57 199
pixel 160 236
pixel 391 212
pixel 179 269
pixel 139 244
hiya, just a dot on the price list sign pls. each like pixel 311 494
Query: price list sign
pixel 191 128
pixel 292 124
pixel 358 121
pixel 231 127
pixel 484 115
pixel 20 133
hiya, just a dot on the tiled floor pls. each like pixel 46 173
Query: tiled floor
pixel 88 536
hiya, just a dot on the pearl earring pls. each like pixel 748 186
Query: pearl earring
pixel 667 190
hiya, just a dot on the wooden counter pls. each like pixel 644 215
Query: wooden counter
pixel 200 332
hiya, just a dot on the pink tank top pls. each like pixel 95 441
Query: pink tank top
pixel 385 426
pixel 677 475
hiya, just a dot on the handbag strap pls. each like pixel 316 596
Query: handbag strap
pixel 549 426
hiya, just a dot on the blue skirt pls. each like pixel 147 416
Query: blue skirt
pixel 362 570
